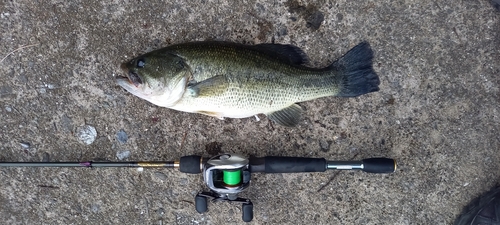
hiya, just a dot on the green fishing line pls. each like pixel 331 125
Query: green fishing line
pixel 231 177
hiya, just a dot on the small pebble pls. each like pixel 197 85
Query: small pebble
pixel 160 211
pixel 46 157
pixel 315 19
pixel 87 134
pixel 325 146
pixel 3 15
pixel 122 155
pixel 25 145
pixel 183 181
pixel 283 31
pixel 122 136
pixel 9 109
pixel 66 123
pixel 95 208
pixel 160 175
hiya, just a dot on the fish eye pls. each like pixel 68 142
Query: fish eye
pixel 141 63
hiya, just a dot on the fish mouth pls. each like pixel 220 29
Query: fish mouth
pixel 125 83
pixel 132 77
pixel 123 80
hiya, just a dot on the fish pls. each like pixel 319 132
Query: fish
pixel 231 80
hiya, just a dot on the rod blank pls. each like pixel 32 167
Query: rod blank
pixel 166 164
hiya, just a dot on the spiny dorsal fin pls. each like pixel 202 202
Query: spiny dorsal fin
pixel 289 116
pixel 286 53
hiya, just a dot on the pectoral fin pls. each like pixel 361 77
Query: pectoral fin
pixel 289 116
pixel 210 87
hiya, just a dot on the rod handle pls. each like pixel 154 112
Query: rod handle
pixel 379 165
pixel 281 164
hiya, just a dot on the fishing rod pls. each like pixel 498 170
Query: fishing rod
pixel 227 175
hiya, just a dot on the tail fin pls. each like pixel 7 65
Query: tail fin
pixel 356 71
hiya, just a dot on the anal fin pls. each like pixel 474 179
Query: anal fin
pixel 289 116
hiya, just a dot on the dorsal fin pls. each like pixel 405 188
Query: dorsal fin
pixel 285 53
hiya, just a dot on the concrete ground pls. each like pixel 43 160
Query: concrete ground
pixel 436 112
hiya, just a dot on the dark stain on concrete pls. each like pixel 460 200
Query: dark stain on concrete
pixel 310 13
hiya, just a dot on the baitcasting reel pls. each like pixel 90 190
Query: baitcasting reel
pixel 227 175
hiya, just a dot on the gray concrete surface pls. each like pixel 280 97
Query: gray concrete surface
pixel 436 113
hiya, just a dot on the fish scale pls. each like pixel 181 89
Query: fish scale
pixel 223 79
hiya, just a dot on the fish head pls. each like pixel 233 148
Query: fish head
pixel 158 77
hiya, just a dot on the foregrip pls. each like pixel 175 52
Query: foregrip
pixel 190 164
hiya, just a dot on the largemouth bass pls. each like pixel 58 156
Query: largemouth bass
pixel 232 80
